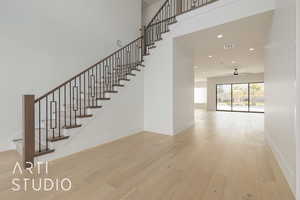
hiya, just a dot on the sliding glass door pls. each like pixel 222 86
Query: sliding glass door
pixel 257 102
pixel 224 97
pixel 240 97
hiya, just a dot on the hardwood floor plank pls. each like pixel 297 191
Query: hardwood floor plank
pixel 216 159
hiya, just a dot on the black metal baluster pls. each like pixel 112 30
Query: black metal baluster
pixel 100 82
pixel 40 146
pixel 92 78
pixel 89 89
pixel 80 113
pixel 65 102
pixel 46 123
pixel 51 113
pixel 96 73
pixel 70 89
pixel 75 100
pixel 110 74
pixel 84 97
pixel 59 134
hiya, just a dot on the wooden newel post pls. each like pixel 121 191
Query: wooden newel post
pixel 178 7
pixel 28 131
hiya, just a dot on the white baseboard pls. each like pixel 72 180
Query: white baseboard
pixel 10 145
pixel 288 173
pixel 7 147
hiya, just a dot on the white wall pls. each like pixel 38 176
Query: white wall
pixel 183 87
pixel 158 88
pixel 280 91
pixel 168 88
pixel 298 101
pixel 45 42
pixel 212 82
pixel 201 86
pixel 217 13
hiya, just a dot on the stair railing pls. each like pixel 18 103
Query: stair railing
pixel 45 118
pixel 166 16
pixel 60 108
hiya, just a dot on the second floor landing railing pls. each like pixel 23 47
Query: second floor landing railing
pixel 166 16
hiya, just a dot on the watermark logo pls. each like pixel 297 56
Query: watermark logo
pixel 38 182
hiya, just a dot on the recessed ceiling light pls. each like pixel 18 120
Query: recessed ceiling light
pixel 210 56
pixel 251 49
pixel 220 36
pixel 233 62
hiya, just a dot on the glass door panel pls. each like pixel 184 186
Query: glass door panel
pixel 240 97
pixel 224 97
pixel 257 103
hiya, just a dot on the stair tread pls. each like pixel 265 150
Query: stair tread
pixel 125 79
pixel 43 152
pixel 71 126
pixel 84 116
pixel 110 91
pixel 58 138
pixel 94 107
pixel 103 98
pixel 130 74
pixel 118 85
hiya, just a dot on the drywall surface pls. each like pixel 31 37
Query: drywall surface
pixel 298 102
pixel 44 43
pixel 280 88
pixel 212 84
pixel 218 13
pixel 183 87
pixel 158 88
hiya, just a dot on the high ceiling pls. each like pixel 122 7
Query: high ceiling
pixel 212 59
pixel 148 2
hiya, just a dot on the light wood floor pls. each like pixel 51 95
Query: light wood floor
pixel 223 157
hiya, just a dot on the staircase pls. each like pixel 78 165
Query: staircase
pixel 49 117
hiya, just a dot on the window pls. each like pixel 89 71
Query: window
pixel 200 95
pixel 224 97
pixel 257 93
pixel 240 97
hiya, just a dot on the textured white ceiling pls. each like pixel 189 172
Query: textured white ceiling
pixel 250 32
